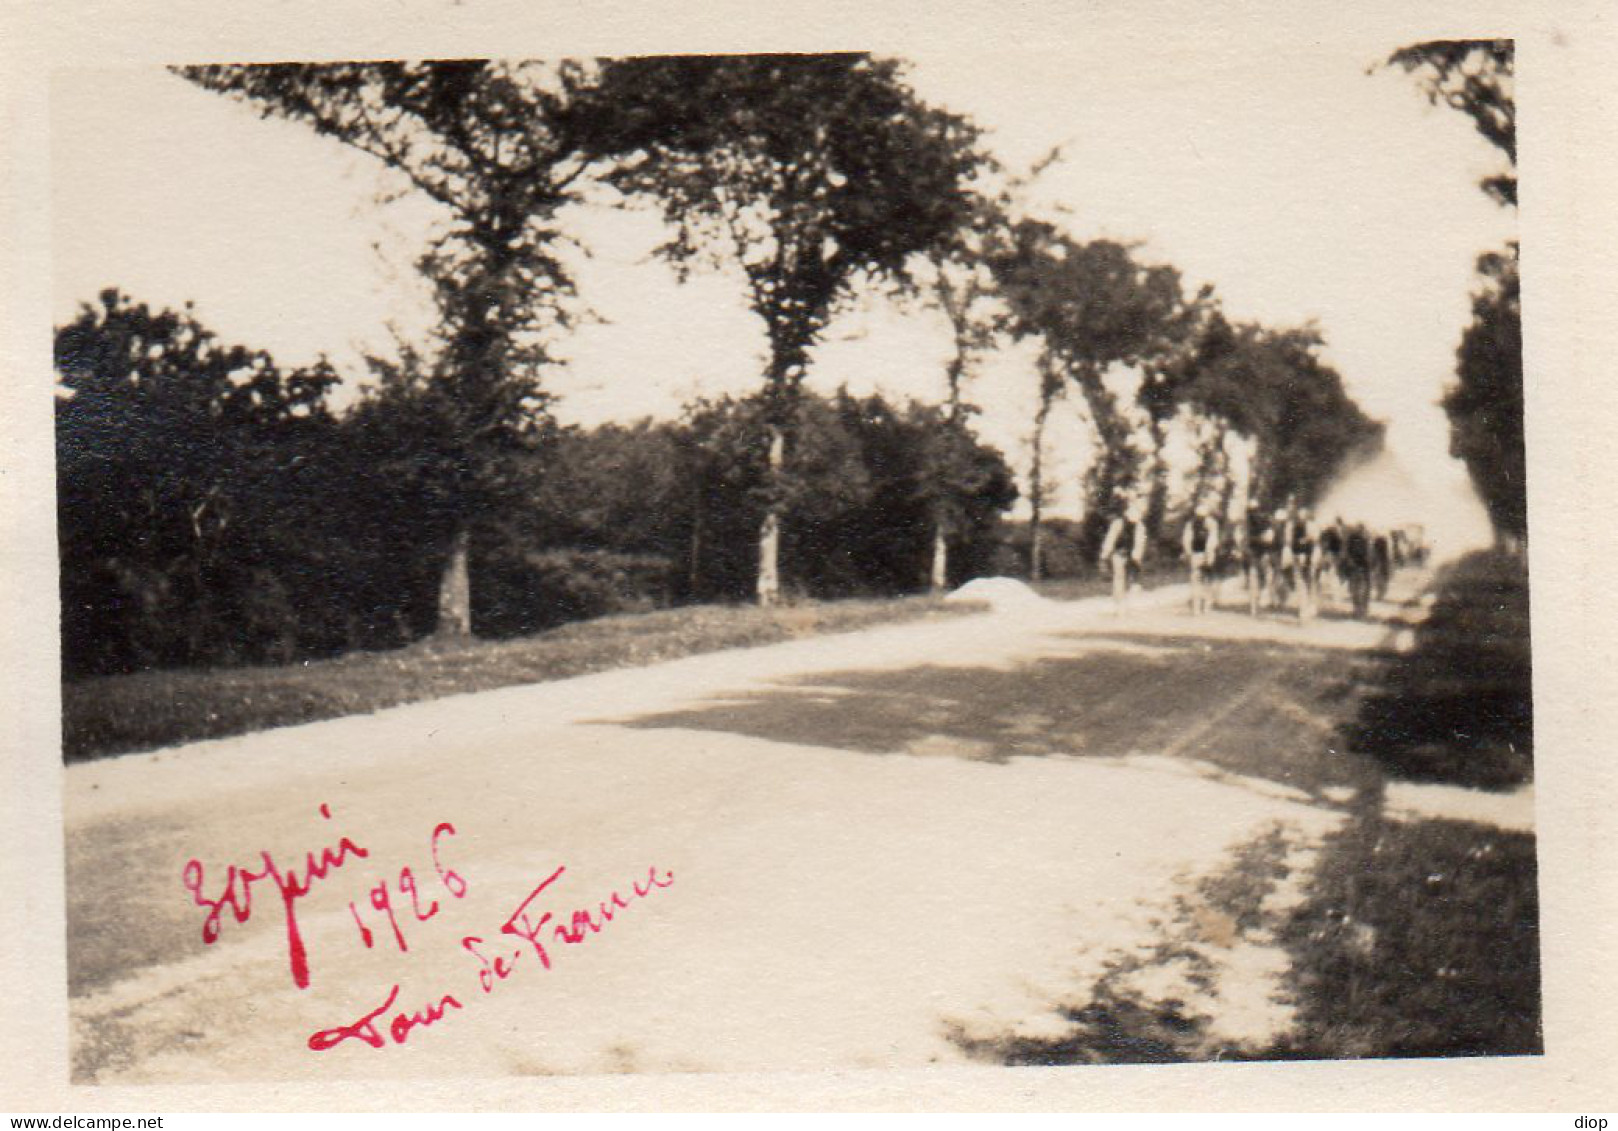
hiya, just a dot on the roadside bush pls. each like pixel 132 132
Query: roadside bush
pixel 215 510
pixel 520 593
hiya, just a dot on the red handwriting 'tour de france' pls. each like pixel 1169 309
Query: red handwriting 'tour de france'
pixel 525 923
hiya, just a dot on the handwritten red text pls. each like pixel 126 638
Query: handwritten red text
pixel 237 895
pixel 527 923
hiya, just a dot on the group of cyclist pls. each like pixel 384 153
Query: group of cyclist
pixel 1284 557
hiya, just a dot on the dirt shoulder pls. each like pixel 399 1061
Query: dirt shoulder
pixel 1047 835
pixel 121 714
pixel 1409 930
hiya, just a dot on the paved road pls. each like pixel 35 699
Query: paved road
pixel 886 849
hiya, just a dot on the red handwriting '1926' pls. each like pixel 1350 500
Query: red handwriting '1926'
pixel 382 900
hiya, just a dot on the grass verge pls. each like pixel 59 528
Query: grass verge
pixel 1412 939
pixel 1418 940
pixel 1099 584
pixel 121 714
pixel 1458 708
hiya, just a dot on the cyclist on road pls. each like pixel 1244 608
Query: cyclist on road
pixel 1381 564
pixel 1280 558
pixel 1259 548
pixel 1329 567
pixel 1357 568
pixel 1200 545
pixel 1299 552
pixel 1123 550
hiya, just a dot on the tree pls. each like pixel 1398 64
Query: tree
pixel 1476 77
pixel 1304 423
pixel 860 494
pixel 818 494
pixel 729 483
pixel 1485 404
pixel 1165 372
pixel 1039 490
pixel 177 461
pixel 410 463
pixel 501 148
pixel 807 172
pixel 1270 386
pixel 960 284
pixel 912 456
pixel 1092 306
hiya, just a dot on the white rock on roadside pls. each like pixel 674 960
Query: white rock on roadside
pixel 999 593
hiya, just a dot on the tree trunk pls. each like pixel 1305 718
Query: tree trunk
pixel 769 537
pixel 1213 470
pixel 455 590
pixel 1258 481
pixel 1157 477
pixel 1116 467
pixel 693 579
pixel 769 560
pixel 1227 493
pixel 940 574
pixel 1036 503
pixel 1048 389
pixel 955 308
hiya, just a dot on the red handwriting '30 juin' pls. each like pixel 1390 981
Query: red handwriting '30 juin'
pixel 236 895
pixel 526 923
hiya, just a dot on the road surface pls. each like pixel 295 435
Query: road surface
pixel 894 848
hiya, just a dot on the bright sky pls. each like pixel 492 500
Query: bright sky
pixel 1301 186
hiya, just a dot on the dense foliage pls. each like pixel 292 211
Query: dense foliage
pixel 1476 77
pixel 809 173
pixel 1485 402
pixel 216 510
pixel 1100 314
pixel 1485 405
pixel 180 463
pixel 500 149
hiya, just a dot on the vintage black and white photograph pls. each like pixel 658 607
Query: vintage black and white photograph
pixel 672 564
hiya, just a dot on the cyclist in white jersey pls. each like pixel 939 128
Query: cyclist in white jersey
pixel 1200 545
pixel 1302 551
pixel 1123 550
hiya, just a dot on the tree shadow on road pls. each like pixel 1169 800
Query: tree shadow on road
pixel 1413 938
pixel 1457 708
pixel 1252 708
